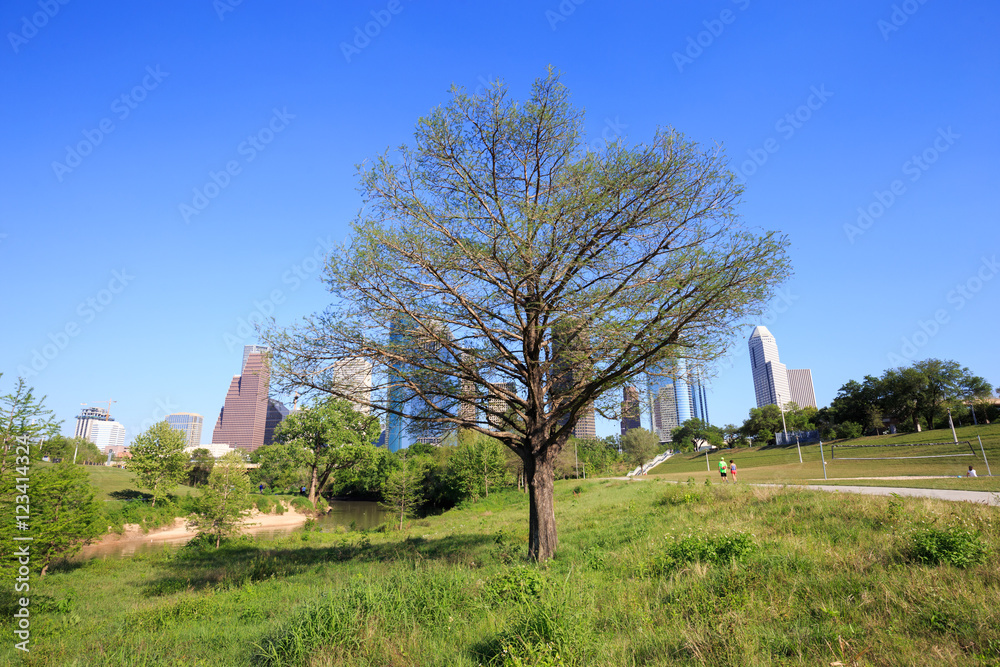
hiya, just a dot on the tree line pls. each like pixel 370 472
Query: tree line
pixel 909 399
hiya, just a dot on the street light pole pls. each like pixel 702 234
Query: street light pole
pixel 952 425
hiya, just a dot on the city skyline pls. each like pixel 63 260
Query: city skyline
pixel 860 144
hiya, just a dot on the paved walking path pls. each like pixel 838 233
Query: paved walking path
pixel 985 497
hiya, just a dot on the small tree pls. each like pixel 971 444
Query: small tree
pixel 687 434
pixel 478 463
pixel 334 436
pixel 23 419
pixel 200 467
pixel 158 459
pixel 64 515
pixel 403 494
pixel 226 500
pixel 640 445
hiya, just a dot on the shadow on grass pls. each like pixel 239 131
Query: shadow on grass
pixel 130 494
pixel 242 562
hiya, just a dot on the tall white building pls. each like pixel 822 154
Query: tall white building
pixel 773 383
pixel 86 419
pixel 107 434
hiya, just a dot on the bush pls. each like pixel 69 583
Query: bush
pixel 718 550
pixel 848 430
pixel 955 546
pixel 264 504
pixel 518 584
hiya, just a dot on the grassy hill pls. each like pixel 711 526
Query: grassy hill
pixel 781 464
pixel 647 573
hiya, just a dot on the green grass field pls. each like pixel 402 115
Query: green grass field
pixel 647 573
pixel 780 465
pixel 107 479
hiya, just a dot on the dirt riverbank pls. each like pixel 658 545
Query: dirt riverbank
pixel 180 532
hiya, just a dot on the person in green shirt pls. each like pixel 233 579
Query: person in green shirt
pixel 722 468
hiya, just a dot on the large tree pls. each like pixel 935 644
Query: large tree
pixel 333 436
pixel 158 459
pixel 505 278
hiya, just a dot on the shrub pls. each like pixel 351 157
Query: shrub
pixel 718 550
pixel 955 546
pixel 849 430
pixel 264 504
pixel 518 584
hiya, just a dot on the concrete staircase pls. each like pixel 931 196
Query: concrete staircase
pixel 646 467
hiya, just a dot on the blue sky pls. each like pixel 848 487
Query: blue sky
pixel 118 116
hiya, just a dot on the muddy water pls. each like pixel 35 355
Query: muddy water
pixel 342 513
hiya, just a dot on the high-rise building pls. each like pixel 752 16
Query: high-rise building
pixel 800 384
pixel 354 377
pixel 188 422
pixel 106 434
pixel 276 411
pixel 673 401
pixel 418 385
pixel 87 418
pixel 243 420
pixel 630 409
pixel 498 404
pixel 771 379
pixel 586 423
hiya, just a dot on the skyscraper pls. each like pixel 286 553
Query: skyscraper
pixel 498 404
pixel 586 423
pixel 188 422
pixel 419 386
pixel 673 401
pixel 771 379
pixel 800 384
pixel 630 409
pixel 243 419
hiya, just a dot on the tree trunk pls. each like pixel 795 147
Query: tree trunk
pixel 542 539
pixel 312 488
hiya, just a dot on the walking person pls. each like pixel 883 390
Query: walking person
pixel 722 468
pixel 732 470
